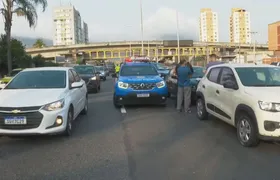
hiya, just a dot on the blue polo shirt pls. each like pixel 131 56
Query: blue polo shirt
pixel 183 74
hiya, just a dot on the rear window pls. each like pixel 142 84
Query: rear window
pixel 138 71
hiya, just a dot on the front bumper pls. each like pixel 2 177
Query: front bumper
pixel 268 124
pixel 38 122
pixel 102 77
pixel 132 99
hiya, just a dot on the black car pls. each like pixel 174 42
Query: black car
pixel 171 82
pixel 90 75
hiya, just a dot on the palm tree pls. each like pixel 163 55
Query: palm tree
pixel 39 43
pixel 25 8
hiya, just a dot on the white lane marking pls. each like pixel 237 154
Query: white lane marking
pixel 123 111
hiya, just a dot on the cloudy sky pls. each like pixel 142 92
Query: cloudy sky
pixel 111 20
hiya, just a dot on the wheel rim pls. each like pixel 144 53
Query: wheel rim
pixel 199 107
pixel 244 130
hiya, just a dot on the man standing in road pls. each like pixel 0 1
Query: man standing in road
pixel 213 61
pixel 184 87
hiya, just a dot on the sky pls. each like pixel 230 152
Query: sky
pixel 115 20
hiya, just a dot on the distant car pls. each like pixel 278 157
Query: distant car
pixel 7 79
pixel 139 83
pixel 162 70
pixel 172 85
pixel 91 76
pixel 42 101
pixel 102 71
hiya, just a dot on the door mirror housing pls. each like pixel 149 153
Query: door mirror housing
pixel 75 85
pixel 230 85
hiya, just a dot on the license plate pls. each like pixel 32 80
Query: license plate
pixel 143 95
pixel 15 120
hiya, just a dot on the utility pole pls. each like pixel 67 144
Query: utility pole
pixel 142 28
pixel 254 48
pixel 178 37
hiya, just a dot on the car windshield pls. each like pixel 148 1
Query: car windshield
pixel 99 68
pixel 259 76
pixel 160 66
pixel 138 71
pixel 84 69
pixel 15 72
pixel 38 80
pixel 198 72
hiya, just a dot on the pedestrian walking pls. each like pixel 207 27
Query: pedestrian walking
pixel 184 87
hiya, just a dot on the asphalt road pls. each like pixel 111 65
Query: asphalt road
pixel 138 143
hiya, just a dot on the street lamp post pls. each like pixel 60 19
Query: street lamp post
pixel 178 37
pixel 142 28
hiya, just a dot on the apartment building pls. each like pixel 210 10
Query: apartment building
pixel 240 26
pixel 274 36
pixel 208 26
pixel 68 29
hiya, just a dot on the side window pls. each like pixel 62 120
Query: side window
pixel 227 75
pixel 214 74
pixel 76 76
pixel 71 77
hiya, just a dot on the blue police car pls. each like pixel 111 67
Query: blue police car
pixel 139 83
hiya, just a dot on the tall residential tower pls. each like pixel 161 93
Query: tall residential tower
pixel 208 26
pixel 68 27
pixel 240 26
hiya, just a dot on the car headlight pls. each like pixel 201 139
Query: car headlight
pixel 269 106
pixel 54 106
pixel 93 78
pixel 160 84
pixel 122 85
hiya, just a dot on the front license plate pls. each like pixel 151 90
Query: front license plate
pixel 15 120
pixel 143 95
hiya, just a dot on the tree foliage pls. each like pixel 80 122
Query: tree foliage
pixel 39 43
pixel 24 8
pixel 20 59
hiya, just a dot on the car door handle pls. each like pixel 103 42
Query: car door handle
pixel 217 91
pixel 203 86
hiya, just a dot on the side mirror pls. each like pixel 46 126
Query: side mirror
pixel 230 85
pixel 77 85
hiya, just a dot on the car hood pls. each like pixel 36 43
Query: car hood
pixel 140 79
pixel 269 94
pixel 29 97
pixel 195 81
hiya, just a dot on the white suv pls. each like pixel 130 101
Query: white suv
pixel 245 96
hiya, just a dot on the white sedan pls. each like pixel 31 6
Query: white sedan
pixel 42 101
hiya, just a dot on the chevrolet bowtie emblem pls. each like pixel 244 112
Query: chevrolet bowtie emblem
pixel 16 111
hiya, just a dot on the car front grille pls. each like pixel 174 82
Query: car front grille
pixel 33 119
pixel 31 108
pixel 142 86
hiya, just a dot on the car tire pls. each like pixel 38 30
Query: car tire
pixel 247 131
pixel 85 110
pixel 201 111
pixel 116 104
pixel 68 129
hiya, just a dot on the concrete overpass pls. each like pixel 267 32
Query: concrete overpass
pixel 122 49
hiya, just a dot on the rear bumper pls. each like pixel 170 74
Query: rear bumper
pixel 132 99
